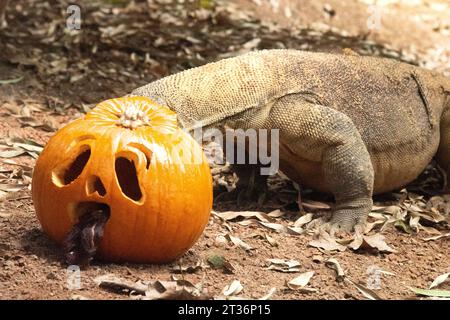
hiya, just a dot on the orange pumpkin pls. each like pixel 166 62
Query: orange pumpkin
pixel 128 155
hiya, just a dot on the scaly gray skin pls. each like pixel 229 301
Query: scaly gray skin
pixel 349 125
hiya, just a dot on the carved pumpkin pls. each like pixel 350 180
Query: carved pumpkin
pixel 126 155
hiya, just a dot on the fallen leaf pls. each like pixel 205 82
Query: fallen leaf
pixel 371 225
pixel 446 235
pixel 401 225
pixel 276 213
pixel 375 241
pixel 431 293
pixel 366 292
pixel 11 81
pixel 231 215
pixel 12 152
pixel 301 281
pixel 12 162
pixel 279 228
pixel 295 230
pixel 429 230
pixel 357 242
pixel 431 216
pixel 326 242
pixel 173 290
pixel 29 147
pixel 233 289
pixel 32 122
pixel 315 205
pixel 414 223
pixel 188 268
pixel 439 280
pixel 114 284
pixel 239 243
pixel 271 240
pixel 283 265
pixel 303 220
pixel 12 187
pixel 269 294
pixel 334 264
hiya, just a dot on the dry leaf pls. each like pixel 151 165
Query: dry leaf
pixel 11 152
pixel 12 187
pixel 295 230
pixel 239 243
pixel 231 215
pixel 315 205
pixel 199 265
pixel 446 235
pixel 271 240
pixel 439 280
pixel 114 284
pixel 301 281
pixel 430 230
pixel 375 241
pixel 334 264
pixel 283 265
pixel 233 289
pixel 431 292
pixel 274 226
pixel 303 220
pixel 326 242
pixel 366 292
pixel 276 213
pixel 269 294
pixel 11 81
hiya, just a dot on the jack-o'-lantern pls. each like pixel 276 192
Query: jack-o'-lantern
pixel 127 157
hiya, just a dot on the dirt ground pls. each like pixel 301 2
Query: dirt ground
pixel 50 75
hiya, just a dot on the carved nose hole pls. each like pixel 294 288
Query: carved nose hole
pixel 95 184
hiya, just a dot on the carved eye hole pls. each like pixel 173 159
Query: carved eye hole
pixel 146 151
pixel 127 177
pixel 65 175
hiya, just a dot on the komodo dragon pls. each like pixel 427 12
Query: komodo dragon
pixel 349 125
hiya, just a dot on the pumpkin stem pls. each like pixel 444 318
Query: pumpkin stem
pixel 133 117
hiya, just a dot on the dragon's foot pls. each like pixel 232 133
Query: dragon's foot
pixel 342 224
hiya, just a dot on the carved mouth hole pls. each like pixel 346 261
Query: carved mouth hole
pixel 127 178
pixel 87 207
pixel 94 184
pixel 76 166
pixel 81 243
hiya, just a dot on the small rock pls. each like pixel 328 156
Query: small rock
pixel 329 10
pixel 220 241
pixel 52 276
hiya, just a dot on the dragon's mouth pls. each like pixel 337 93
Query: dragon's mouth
pixel 80 244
